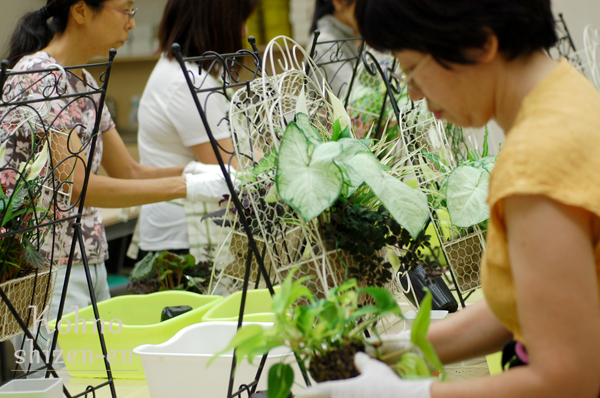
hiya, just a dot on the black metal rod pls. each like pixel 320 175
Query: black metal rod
pixel 234 197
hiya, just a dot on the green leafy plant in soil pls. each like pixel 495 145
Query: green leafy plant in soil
pixel 363 232
pixel 326 333
pixel 168 271
pixel 19 213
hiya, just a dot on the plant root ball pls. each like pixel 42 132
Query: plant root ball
pixel 337 364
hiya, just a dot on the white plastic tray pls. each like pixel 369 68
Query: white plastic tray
pixel 177 367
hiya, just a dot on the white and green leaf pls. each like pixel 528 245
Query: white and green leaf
pixel 408 206
pixel 308 184
pixel 467 192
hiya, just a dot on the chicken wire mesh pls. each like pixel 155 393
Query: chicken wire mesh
pixel 425 136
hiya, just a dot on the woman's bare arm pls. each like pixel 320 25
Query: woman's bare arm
pixel 556 285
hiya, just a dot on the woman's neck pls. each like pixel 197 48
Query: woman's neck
pixel 68 50
pixel 519 78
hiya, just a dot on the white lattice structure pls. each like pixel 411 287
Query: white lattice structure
pixel 258 118
pixel 591 42
pixel 463 247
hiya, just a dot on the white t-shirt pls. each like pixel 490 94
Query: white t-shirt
pixel 169 124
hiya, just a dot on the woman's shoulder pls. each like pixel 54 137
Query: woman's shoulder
pixel 38 60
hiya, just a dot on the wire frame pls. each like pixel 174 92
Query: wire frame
pixel 462 247
pixel 337 61
pixel 41 121
pixel 234 72
pixel 259 117
pixel 591 41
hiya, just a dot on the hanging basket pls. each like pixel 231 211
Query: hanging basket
pixel 24 292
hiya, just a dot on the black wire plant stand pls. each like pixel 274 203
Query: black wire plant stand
pixel 338 61
pixel 38 207
pixel 237 71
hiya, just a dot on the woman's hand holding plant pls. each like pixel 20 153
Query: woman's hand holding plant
pixel 376 380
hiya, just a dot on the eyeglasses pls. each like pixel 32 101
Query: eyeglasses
pixel 407 78
pixel 131 14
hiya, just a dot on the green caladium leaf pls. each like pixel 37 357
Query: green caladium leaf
pixel 486 163
pixel 308 184
pixel 311 133
pixel 351 147
pixel 281 379
pixel 367 141
pixel 418 333
pixel 143 268
pixel 31 254
pixel 408 206
pixel 345 133
pixel 467 192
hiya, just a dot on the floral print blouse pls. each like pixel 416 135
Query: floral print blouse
pixel 59 116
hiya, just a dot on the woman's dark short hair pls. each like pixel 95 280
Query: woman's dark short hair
pixel 203 25
pixel 445 28
pixel 322 8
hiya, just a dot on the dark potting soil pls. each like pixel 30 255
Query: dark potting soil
pixel 337 364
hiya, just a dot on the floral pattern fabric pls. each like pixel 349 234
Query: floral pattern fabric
pixel 74 114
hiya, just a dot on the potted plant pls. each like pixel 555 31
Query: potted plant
pixel 24 272
pixel 159 271
pixel 326 333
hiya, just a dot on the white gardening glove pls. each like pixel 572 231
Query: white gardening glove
pixel 390 347
pixel 376 380
pixel 206 187
pixel 194 167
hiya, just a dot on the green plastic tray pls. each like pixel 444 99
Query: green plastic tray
pixel 258 307
pixel 140 318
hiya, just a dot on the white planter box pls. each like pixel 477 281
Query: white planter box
pixel 434 316
pixel 32 388
pixel 177 368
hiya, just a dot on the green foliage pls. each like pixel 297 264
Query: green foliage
pixel 159 271
pixel 19 212
pixel 311 330
pixel 464 189
pixel 362 232
pixel 281 378
pixel 419 333
pixel 313 174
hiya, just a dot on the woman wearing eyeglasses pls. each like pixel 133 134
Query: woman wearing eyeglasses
pixel 475 61
pixel 71 32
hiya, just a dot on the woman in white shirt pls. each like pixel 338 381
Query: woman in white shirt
pixel 171 132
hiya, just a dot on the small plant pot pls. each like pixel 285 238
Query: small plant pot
pixel 32 388
pixel 336 364
pixel 20 292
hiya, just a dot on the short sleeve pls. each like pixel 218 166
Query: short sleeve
pixel 554 155
pixel 186 119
